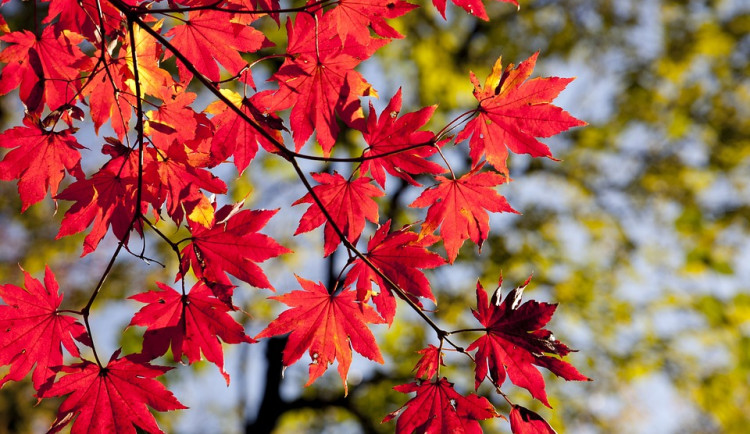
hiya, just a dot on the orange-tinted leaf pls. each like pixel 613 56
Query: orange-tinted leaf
pixel 352 17
pixel 318 81
pixel 513 111
pixel 39 159
pixel 33 332
pixel 399 255
pixel 45 68
pixel 438 408
pixel 459 207
pixel 209 35
pixel 190 324
pixel 388 135
pixel 348 202
pixel 327 325
pixel 107 199
pixel 111 399
pixel 232 245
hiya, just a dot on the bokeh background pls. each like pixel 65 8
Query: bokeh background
pixel 641 232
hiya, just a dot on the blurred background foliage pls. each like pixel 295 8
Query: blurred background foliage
pixel 641 232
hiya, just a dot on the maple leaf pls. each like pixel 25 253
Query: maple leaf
pixel 152 79
pixel 515 341
pixel 348 202
pixel 427 366
pixel 438 408
pixel 190 324
pixel 107 99
pixel 82 16
pixel 39 159
pixel 111 399
pixel 236 137
pixel 318 80
pixel 525 421
pixel 329 325
pixel 181 182
pixel 388 135
pixel 474 7
pixel 208 35
pixel 513 111
pixel 34 331
pixel 46 68
pixel 231 245
pixel 352 17
pixel 459 207
pixel 108 198
pixel 399 255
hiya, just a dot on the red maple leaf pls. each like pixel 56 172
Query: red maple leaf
pixel 180 182
pixel 329 325
pixel 318 80
pixel 108 198
pixel 82 16
pixel 39 159
pixel 438 408
pixel 348 202
pixel 236 137
pixel 352 17
pixel 513 111
pixel 459 207
pixel 34 331
pixel 208 35
pixel 107 100
pixel 427 366
pixel 399 255
pixel 231 245
pixel 525 421
pixel 474 7
pixel 190 324
pixel 46 68
pixel 388 135
pixel 111 399
pixel 515 341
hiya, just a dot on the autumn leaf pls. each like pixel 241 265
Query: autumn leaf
pixel 208 35
pixel 107 198
pixel 112 398
pixel 399 255
pixel 438 408
pixel 107 100
pixel 525 421
pixel 39 159
pixel 180 183
pixel 459 207
pixel 388 135
pixel 327 325
pixel 148 52
pixel 515 341
pixel 190 324
pixel 353 17
pixel 46 68
pixel 428 364
pixel 513 111
pixel 231 245
pixel 318 80
pixel 34 331
pixel 348 202
pixel 474 7
pixel 235 137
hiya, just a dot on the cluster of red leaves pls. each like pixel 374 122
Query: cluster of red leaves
pixel 160 166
